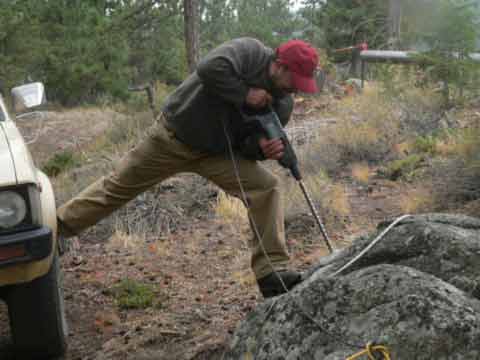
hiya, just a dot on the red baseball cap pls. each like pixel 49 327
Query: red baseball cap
pixel 302 60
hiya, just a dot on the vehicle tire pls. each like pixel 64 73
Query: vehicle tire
pixel 37 316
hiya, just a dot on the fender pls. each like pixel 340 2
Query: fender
pixel 29 271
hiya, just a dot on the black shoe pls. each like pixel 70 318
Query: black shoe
pixel 271 285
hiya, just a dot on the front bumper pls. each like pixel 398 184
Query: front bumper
pixel 25 246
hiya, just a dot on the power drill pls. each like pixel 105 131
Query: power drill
pixel 270 125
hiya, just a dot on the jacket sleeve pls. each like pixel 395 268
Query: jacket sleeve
pixel 284 108
pixel 224 69
pixel 250 147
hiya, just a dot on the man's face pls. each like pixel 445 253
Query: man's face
pixel 282 79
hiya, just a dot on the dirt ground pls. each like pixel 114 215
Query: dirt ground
pixel 200 270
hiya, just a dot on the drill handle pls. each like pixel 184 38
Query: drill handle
pixel 289 159
pixel 273 130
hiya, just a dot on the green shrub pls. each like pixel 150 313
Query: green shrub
pixel 130 294
pixel 450 41
pixel 425 145
pixel 60 162
pixel 404 168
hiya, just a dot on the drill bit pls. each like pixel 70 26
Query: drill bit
pixel 315 215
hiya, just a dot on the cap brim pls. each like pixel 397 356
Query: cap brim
pixel 304 83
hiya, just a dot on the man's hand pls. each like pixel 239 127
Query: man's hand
pixel 272 149
pixel 258 98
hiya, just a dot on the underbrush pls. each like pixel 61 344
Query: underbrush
pixel 456 177
pixel 131 294
pixel 409 137
pixel 404 168
pixel 77 168
pixel 366 130
pixel 150 212
pixel 137 101
pixel 329 197
pixel 230 209
pixel 433 147
pixel 443 168
pixel 418 199
pixel 61 162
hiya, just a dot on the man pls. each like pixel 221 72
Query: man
pixel 198 121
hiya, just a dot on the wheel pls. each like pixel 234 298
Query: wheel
pixel 37 316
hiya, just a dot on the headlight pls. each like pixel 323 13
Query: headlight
pixel 13 209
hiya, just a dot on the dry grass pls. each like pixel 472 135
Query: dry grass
pixel 361 172
pixel 99 136
pixel 138 101
pixel 366 129
pixel 471 208
pixel 407 88
pixel 71 182
pixel 100 155
pixel 403 149
pixel 417 200
pixel 451 178
pixel 160 248
pixel 421 111
pixel 466 144
pixel 121 240
pixel 365 132
pixel 337 200
pixel 68 130
pixel 419 98
pixel 329 197
pixel 230 209
pixel 244 277
pixel 447 148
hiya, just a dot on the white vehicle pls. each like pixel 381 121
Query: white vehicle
pixel 30 276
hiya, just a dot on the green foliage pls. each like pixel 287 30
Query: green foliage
pixel 157 48
pixel 89 50
pixel 60 162
pixel 83 50
pixel 456 177
pixel 65 44
pixel 450 36
pixel 21 43
pixel 271 21
pixel 347 23
pixel 444 34
pixel 468 147
pixel 85 58
pixel 425 145
pixel 216 26
pixel 279 26
pixel 130 294
pixel 404 168
pixel 395 79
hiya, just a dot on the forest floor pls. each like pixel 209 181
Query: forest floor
pixel 203 285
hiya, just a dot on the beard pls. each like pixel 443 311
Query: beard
pixel 280 90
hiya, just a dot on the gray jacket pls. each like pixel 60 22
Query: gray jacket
pixel 216 93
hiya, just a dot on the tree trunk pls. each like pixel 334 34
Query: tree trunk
pixel 192 39
pixel 356 68
pixel 394 22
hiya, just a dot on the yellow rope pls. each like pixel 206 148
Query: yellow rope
pixel 370 350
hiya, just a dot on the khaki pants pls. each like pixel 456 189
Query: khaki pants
pixel 158 156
